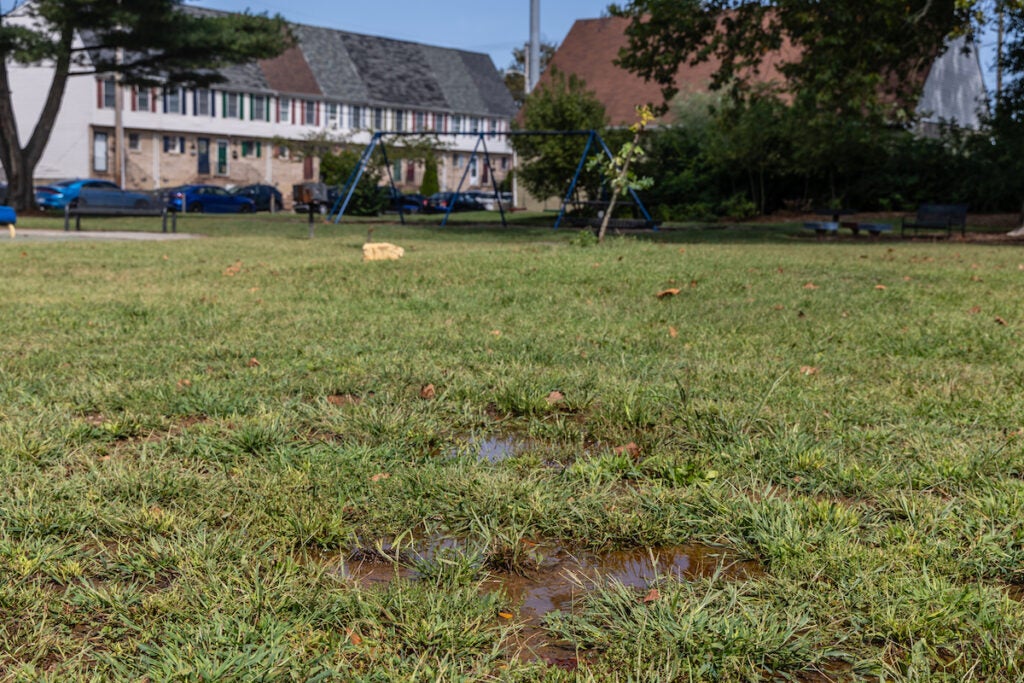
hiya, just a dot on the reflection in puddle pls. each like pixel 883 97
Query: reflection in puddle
pixel 561 581
pixel 493 449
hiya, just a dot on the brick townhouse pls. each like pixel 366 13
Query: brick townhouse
pixel 331 83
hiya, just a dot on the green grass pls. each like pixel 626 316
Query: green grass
pixel 182 483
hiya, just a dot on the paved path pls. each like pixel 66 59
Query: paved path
pixel 22 234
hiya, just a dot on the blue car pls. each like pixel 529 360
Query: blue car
pixel 207 199
pixel 89 192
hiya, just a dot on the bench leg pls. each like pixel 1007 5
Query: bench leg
pixel 10 227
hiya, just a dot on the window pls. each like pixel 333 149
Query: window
pixel 284 110
pixel 333 115
pixel 203 104
pixel 456 123
pixel 134 143
pixel 173 101
pixel 458 160
pixel 232 105
pixel 258 109
pixel 99 152
pixel 399 120
pixel 142 99
pixel 378 119
pixel 108 93
pixel 309 113
pixel 418 121
pixel 252 148
pixel 174 145
pixel 504 163
pixel 474 125
pixel 355 118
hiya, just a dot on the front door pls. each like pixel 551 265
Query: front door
pixel 222 157
pixel 203 154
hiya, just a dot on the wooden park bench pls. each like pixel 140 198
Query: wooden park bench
pixel 932 218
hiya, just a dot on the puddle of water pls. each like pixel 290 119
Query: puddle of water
pixel 492 449
pixel 558 585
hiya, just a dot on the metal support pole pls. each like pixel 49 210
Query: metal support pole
pixel 391 180
pixel 353 180
pixel 462 180
pixel 575 178
pixel 494 182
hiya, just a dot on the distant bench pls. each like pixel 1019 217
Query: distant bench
pixel 936 218
pixel 823 228
pixel 115 211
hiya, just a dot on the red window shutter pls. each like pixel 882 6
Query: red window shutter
pixel 278 109
pixel 135 99
pixel 152 100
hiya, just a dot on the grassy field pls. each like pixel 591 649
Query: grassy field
pixel 253 457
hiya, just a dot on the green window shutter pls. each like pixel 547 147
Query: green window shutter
pixel 259 149
pixel 252 109
pixel 224 104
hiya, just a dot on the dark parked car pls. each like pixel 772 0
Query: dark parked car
pixel 261 195
pixel 409 203
pixel 438 203
pixel 207 199
pixel 93 193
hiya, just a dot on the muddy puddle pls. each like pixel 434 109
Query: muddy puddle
pixel 561 580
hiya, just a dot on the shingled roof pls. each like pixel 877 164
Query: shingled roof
pixel 375 71
pixel 369 71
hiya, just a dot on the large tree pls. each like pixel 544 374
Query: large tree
pixel 847 57
pixel 146 42
pixel 549 161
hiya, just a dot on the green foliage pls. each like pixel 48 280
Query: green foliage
pixel 336 168
pixel 430 184
pixel 130 38
pixel 549 162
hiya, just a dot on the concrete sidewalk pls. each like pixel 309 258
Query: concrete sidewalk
pixel 34 235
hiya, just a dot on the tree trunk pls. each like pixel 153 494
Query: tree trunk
pixel 20 162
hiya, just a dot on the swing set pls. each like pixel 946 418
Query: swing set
pixel 594 140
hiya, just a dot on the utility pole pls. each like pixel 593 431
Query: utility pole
pixel 533 57
pixel 999 51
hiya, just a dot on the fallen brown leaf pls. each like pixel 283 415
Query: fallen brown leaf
pixel 428 392
pixel 974 310
pixel 810 285
pixel 672 332
pixel 881 287
pixel 668 292
pixel 344 400
pixel 555 397
pixel 630 449
pixel 353 637
pixel 496 333
pixel 379 476
pixel 253 363
pixel 234 269
pixel 653 595
pixel 808 370
pixel 505 614
pixel 693 284
pixel 1000 320
pixel 182 383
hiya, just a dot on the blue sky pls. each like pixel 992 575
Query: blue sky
pixel 492 26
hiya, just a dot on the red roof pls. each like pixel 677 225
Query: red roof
pixel 589 52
